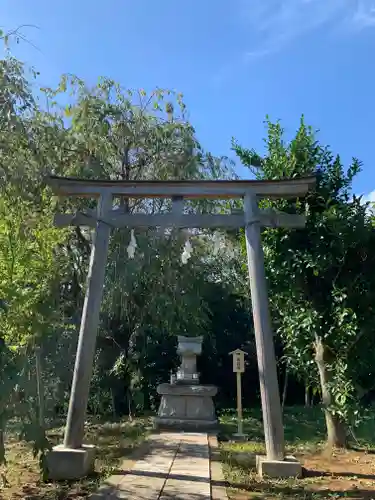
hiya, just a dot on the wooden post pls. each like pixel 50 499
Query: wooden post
pixel 238 369
pixel 239 405
pixel 79 395
pixel 39 386
pixel 269 389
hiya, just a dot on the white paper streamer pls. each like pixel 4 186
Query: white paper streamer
pixel 218 243
pixel 186 254
pixel 132 245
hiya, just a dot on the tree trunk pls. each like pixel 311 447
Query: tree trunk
pixel 39 386
pixel 285 389
pixel 130 413
pixel 113 397
pixel 336 428
pixel 146 398
pixel 2 447
pixel 314 392
pixel 307 396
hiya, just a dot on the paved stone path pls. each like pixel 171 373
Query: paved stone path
pixel 177 467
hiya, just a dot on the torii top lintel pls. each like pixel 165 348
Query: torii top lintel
pixel 285 188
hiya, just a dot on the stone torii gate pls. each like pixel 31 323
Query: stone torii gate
pixel 73 459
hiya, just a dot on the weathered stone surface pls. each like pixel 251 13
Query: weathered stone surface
pixel 189 477
pixel 177 424
pixel 186 407
pixel 187 390
pixel 172 406
pixel 70 463
pixel 188 348
pixel 189 344
pixel 177 468
pixel 189 407
pixel 289 467
pixel 198 408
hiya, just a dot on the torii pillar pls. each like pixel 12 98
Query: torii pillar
pixel 275 464
pixel 73 459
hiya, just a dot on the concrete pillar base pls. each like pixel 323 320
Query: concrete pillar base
pixel 70 463
pixel 289 467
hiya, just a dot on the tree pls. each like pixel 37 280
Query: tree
pixel 320 278
pixel 106 132
pixel 30 260
pixel 117 133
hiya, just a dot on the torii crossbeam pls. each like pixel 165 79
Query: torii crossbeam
pixel 105 217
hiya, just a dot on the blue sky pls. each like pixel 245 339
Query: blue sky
pixel 235 61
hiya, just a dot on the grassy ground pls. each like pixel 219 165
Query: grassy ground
pixel 341 474
pixel 114 441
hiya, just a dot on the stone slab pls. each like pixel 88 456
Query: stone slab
pixel 177 468
pixel 186 407
pixel 135 487
pixel 189 477
pixel 289 467
pixel 240 438
pixel 185 490
pixel 184 424
pixel 187 390
pixel 70 463
pixel 218 483
pixel 148 475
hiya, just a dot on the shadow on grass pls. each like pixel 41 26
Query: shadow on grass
pixel 300 425
pixel 305 433
pixel 362 449
pixel 288 489
pixel 112 440
pixel 116 444
pixel 347 474
pixel 263 491
pixel 116 441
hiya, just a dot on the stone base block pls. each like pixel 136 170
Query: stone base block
pixel 240 437
pixel 289 467
pixel 188 425
pixel 186 407
pixel 70 463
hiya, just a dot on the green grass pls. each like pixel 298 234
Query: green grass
pixel 114 442
pixel 300 423
pixel 304 430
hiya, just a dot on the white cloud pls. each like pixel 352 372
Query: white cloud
pixel 369 197
pixel 365 14
pixel 272 24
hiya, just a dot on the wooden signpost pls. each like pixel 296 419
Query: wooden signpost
pixel 238 369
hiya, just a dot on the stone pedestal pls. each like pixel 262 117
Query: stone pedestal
pixel 186 408
pixel 188 348
pixel 289 467
pixel 70 463
pixel 186 405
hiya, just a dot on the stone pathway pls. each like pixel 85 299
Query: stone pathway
pixel 177 467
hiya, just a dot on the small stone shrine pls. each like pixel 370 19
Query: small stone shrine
pixel 185 404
